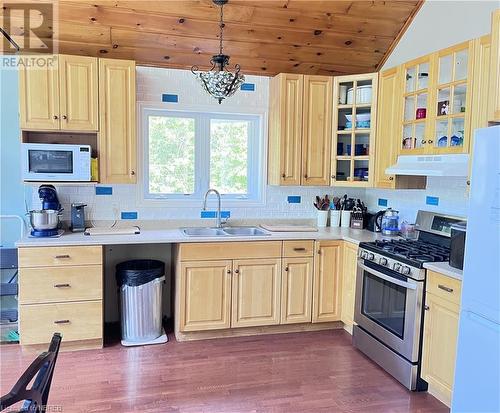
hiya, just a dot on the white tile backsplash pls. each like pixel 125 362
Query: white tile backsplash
pixel 153 82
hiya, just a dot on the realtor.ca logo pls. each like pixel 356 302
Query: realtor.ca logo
pixel 28 27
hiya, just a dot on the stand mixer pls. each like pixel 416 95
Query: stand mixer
pixel 45 222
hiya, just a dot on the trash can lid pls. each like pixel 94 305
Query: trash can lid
pixel 138 272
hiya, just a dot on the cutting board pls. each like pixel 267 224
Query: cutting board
pixel 112 231
pixel 290 228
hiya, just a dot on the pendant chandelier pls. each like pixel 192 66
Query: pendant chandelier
pixel 218 81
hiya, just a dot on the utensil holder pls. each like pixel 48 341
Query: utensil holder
pixel 322 218
pixel 345 220
pixel 335 218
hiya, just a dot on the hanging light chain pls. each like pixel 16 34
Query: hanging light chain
pixel 221 26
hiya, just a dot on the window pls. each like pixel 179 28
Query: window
pixel 186 153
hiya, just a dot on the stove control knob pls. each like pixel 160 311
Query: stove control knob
pixel 362 254
pixel 382 261
pixel 370 257
pixel 396 266
pixel 405 270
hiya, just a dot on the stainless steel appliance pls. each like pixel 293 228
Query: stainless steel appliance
pixel 390 288
pixel 53 162
pixel 390 222
pixel 78 217
pixel 457 245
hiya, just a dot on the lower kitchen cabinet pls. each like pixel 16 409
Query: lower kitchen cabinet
pixel 256 292
pixel 205 291
pixel 440 335
pixel 296 290
pixel 327 282
pixel 349 269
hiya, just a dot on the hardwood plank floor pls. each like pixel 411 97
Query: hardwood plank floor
pixel 300 372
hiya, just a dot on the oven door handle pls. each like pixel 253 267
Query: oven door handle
pixel 388 278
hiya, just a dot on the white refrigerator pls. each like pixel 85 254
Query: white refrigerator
pixel 477 371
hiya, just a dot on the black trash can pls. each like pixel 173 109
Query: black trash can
pixel 141 289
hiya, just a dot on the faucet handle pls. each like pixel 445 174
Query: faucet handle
pixel 223 221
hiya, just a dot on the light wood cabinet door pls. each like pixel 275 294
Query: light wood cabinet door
pixel 78 87
pixel 285 129
pixel 296 290
pixel 349 269
pixel 205 295
pixel 317 130
pixel 389 119
pixel 439 346
pixel 494 71
pixel 256 291
pixel 327 286
pixel 117 132
pixel 39 94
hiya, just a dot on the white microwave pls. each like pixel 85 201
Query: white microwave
pixel 54 162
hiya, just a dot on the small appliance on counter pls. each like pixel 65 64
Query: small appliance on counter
pixel 45 222
pixel 390 222
pixel 78 217
pixel 457 244
pixel 374 221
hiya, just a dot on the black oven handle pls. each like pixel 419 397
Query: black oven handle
pixel 387 277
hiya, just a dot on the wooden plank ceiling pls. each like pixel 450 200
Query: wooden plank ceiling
pixel 263 36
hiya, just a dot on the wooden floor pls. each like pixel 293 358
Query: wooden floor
pixel 303 372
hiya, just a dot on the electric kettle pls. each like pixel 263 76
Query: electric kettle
pixel 390 222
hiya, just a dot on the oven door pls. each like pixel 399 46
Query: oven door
pixel 389 307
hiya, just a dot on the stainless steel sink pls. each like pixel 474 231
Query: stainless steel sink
pixel 246 231
pixel 204 232
pixel 224 232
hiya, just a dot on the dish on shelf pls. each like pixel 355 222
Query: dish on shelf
pixel 363 94
pixel 456 141
pixel 443 141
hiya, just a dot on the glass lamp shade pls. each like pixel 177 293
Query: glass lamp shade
pixel 220 84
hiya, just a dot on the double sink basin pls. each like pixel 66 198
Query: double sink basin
pixel 225 232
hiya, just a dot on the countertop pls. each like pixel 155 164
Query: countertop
pixel 445 268
pixel 174 236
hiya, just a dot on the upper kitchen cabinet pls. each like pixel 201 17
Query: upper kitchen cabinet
pixel 300 130
pixel 494 109
pixel 416 89
pixel 451 100
pixel 482 93
pixel 317 129
pixel 59 95
pixel 389 116
pixel 117 137
pixel 354 125
pixel 285 129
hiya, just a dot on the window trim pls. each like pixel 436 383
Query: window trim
pixel 257 165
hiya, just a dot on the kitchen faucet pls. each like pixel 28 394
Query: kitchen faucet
pixel 219 223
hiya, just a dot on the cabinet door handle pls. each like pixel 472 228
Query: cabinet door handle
pixel 286 269
pixel 430 141
pixel 426 308
pixel 334 177
pixel 299 249
pixel 56 117
pixel 445 288
pixel 132 173
pixel 236 271
pixel 65 117
pixel 319 252
pixel 62 285
pixel 64 256
pixel 423 141
pixel 283 175
pixel 61 322
pixel 468 183
pixel 391 178
pixel 229 271
pixel 305 176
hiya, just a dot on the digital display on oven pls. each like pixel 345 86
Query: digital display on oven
pixel 50 161
pixel 443 224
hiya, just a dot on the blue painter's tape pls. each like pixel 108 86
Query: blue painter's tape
pixel 208 214
pixel 104 190
pixel 170 98
pixel 432 200
pixel 249 87
pixel 129 215
pixel 382 202
pixel 225 214
pixel 294 199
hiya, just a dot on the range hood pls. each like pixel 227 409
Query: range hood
pixel 434 165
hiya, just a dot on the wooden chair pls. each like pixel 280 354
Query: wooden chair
pixel 42 369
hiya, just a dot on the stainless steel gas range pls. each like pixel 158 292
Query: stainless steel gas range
pixel 390 289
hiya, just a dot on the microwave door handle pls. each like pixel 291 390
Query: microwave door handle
pixel 388 278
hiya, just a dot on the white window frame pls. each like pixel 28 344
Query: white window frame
pixel 256 156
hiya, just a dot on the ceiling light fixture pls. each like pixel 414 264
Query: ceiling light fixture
pixel 218 81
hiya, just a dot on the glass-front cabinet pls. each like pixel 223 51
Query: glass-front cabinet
pixel 437 102
pixel 354 118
